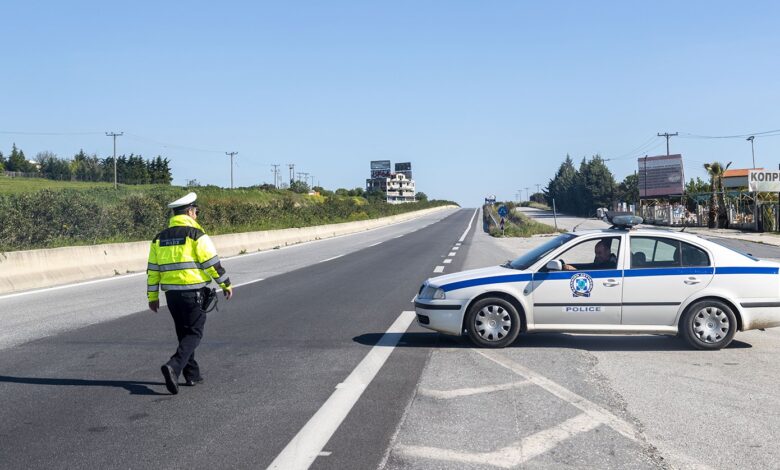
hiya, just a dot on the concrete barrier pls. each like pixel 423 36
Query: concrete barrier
pixel 34 269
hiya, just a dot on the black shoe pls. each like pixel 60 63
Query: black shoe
pixel 171 382
pixel 193 382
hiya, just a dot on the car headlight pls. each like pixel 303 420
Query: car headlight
pixel 430 292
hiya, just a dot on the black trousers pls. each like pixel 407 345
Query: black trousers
pixel 189 321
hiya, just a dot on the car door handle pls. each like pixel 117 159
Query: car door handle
pixel 611 283
pixel 691 281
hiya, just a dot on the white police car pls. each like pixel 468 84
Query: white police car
pixel 618 280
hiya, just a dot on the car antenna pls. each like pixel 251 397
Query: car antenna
pixel 582 222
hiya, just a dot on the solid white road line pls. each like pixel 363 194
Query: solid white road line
pixel 465 392
pixel 248 282
pixel 513 455
pixel 438 269
pixel 447 261
pixel 452 253
pixel 331 259
pixel 463 237
pixel 301 452
pixel 68 286
pixel 597 412
pixel 375 244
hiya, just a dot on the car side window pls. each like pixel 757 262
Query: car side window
pixel 694 256
pixel 594 254
pixel 651 252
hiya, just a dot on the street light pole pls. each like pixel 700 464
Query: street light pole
pixel 752 151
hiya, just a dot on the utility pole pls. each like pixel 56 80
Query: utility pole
pixel 528 194
pixel 752 151
pixel 114 135
pixel 312 181
pixel 298 175
pixel 276 173
pixel 232 154
pixel 291 166
pixel 667 135
pixel 537 188
pixel 305 177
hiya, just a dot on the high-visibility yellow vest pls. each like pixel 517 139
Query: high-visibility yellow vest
pixel 183 257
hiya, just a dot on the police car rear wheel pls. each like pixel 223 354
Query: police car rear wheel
pixel 709 324
pixel 493 323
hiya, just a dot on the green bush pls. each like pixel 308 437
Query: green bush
pixel 63 217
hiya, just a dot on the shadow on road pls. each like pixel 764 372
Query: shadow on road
pixel 544 340
pixel 135 388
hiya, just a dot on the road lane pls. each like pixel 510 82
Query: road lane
pixel 44 312
pixel 92 397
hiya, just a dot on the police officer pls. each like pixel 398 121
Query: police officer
pixel 182 260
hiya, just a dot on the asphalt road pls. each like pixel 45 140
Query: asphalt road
pixel 289 355
pixel 560 401
pixel 93 397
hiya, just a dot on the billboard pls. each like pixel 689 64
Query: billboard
pixel 661 175
pixel 764 181
pixel 380 169
pixel 405 169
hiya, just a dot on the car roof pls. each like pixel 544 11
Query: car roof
pixel 639 231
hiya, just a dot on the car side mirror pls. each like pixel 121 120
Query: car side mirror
pixel 554 265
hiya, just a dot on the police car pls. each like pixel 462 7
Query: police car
pixel 621 280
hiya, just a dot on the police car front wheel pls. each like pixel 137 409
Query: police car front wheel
pixel 492 323
pixel 709 324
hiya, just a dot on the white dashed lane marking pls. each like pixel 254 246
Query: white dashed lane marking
pixel 438 269
pixel 452 253
pixel 447 261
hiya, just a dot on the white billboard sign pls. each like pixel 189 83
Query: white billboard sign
pixel 764 181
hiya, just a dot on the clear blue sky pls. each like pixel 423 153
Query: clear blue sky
pixel 481 97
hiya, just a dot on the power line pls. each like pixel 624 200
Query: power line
pixel 276 173
pixel 48 133
pixel 771 133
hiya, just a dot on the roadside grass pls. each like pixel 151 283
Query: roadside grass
pixel 38 213
pixel 516 223
pixel 536 205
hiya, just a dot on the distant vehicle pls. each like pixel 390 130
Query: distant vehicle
pixel 618 280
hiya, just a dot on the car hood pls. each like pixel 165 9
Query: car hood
pixel 472 274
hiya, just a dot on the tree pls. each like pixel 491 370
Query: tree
pixel 18 162
pixel 561 187
pixel 342 192
pixel 52 167
pixel 421 196
pixel 717 211
pixel 299 186
pixel 697 186
pixel 538 198
pixel 375 196
pixel 594 186
pixel 628 190
pixel 2 162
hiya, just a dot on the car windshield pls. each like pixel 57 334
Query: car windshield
pixel 535 254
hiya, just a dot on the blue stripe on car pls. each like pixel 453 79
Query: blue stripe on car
pixel 486 280
pixel 745 270
pixel 648 272
pixel 666 271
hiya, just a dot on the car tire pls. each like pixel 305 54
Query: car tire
pixel 492 323
pixel 709 324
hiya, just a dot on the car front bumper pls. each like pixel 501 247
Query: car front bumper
pixel 445 316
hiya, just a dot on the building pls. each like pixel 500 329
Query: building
pixel 399 187
pixel 737 178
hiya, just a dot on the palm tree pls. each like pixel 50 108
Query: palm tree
pixel 717 205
